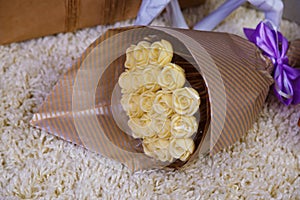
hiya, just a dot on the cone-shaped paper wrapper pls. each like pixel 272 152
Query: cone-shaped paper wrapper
pixel 230 74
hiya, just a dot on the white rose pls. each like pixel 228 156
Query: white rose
pixel 186 101
pixel 171 77
pixel 137 55
pixel 161 52
pixel 130 81
pixel 133 109
pixel 158 149
pixel 182 148
pixel 125 101
pixel 163 103
pixel 140 127
pixel 183 126
pixel 130 60
pixel 136 79
pixel 149 77
pixel 146 100
pixel 161 125
pixel 125 82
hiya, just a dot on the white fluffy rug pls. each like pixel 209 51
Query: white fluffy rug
pixel 265 164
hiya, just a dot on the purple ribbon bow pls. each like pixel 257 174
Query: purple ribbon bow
pixel 275 46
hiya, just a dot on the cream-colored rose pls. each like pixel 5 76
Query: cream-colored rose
pixel 183 126
pixel 149 76
pixel 130 81
pixel 130 62
pixel 146 100
pixel 158 149
pixel 125 101
pixel 171 77
pixel 161 53
pixel 140 127
pixel 186 101
pixel 163 103
pixel 182 148
pixel 161 125
pixel 137 55
pixel 141 53
pixel 133 109
pixel 136 79
pixel 125 82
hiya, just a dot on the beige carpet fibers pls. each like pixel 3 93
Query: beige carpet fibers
pixel 265 164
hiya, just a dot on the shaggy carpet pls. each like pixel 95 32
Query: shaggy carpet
pixel 265 164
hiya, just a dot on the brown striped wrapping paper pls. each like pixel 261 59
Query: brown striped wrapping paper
pixel 230 73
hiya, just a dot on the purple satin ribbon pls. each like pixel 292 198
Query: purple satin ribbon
pixel 275 46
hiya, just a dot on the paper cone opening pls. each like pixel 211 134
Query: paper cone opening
pixel 103 100
pixel 110 139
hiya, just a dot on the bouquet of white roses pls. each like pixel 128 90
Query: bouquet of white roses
pixel 160 109
pixel 152 97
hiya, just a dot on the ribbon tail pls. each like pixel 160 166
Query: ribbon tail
pixel 283 90
pixel 175 15
pixel 293 73
pixel 296 98
pixel 213 19
pixel 250 34
pixel 272 8
pixel 149 10
pixel 294 77
pixel 287 84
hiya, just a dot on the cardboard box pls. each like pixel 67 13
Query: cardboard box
pixel 26 19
